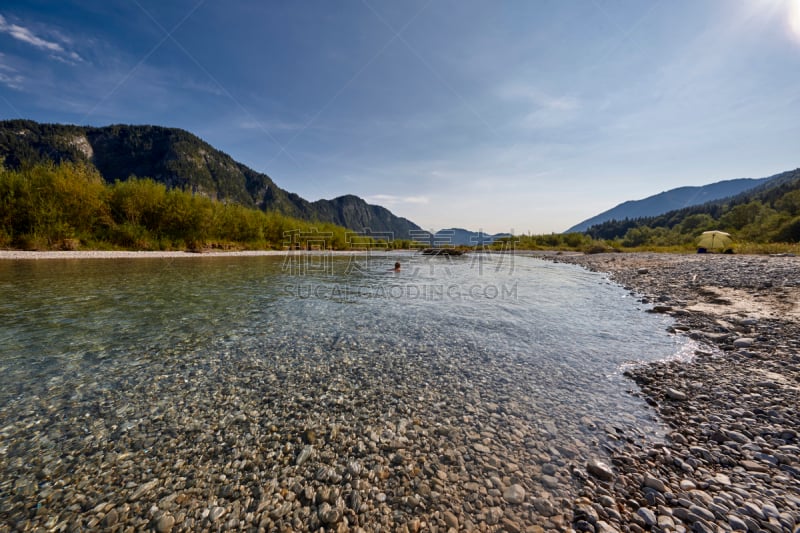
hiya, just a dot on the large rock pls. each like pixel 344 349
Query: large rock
pixel 600 470
pixel 674 394
pixel 514 494
pixel 743 342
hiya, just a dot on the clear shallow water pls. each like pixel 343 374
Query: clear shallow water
pixel 499 367
pixel 78 319
pixel 570 330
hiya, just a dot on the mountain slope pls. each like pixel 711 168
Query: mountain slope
pixel 182 160
pixel 670 200
pixel 769 212
pixel 352 212
pixel 463 237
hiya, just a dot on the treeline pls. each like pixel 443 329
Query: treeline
pixel 70 206
pixel 554 241
pixel 768 214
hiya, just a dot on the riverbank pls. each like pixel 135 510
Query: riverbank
pixel 122 254
pixel 732 460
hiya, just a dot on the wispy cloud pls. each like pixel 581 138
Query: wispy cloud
pixel 272 125
pixel 545 110
pixel 537 97
pixel 56 49
pixel 391 199
pixel 9 76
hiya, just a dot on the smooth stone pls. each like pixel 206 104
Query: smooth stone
pixel 145 487
pixel 702 512
pixel 216 513
pixel 550 482
pixel 648 516
pixel 666 522
pixel 753 466
pixel 741 438
pixel 702 526
pixel 511 526
pixel 687 485
pixel 328 515
pixel 754 510
pixel 514 494
pixel 482 448
pixel 165 523
pixel 111 518
pixel 736 523
pixel 655 483
pixel 743 342
pixel 450 519
pixel 770 510
pixel 674 394
pixel 604 527
pixel 304 454
pixel 584 511
pixel 544 506
pixel 722 479
pixel 600 470
pixel 494 515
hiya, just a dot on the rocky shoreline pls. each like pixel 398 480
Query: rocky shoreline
pixel 236 441
pixel 732 459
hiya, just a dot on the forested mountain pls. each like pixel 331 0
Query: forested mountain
pixel 769 212
pixel 181 160
pixel 669 201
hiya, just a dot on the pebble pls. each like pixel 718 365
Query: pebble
pixel 544 506
pixel 648 516
pixel 736 523
pixel 216 513
pixel 743 342
pixel 450 519
pixel 165 523
pixel 514 494
pixel 654 483
pixel 674 394
pixel 600 470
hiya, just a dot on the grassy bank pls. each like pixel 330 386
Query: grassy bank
pixel 70 206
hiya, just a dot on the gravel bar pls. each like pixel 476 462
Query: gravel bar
pixel 732 459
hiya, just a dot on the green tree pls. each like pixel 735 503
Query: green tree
pixel 741 215
pixel 698 223
pixel 637 237
pixel 790 203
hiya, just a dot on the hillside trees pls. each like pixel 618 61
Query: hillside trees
pixel 48 206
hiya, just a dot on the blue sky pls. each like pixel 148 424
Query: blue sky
pixel 523 116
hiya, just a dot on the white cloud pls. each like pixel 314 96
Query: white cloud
pixel 538 98
pixel 25 35
pixel 546 110
pixel 9 75
pixel 390 199
pixel 251 123
pixel 11 81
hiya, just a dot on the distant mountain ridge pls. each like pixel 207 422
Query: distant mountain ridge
pixel 671 200
pixel 769 212
pixel 180 159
